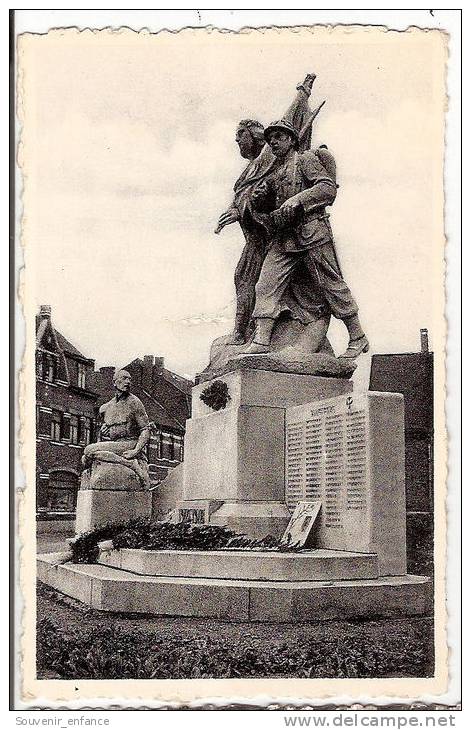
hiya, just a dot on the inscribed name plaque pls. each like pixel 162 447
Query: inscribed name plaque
pixel 348 453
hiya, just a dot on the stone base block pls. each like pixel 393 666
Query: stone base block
pixel 235 454
pixel 270 389
pixel 254 519
pixel 105 506
pixel 167 494
pixel 275 566
pixel 108 589
pixel 113 590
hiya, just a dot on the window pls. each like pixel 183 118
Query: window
pixel 62 492
pixel 81 375
pixel 44 422
pixel 50 370
pixel 39 366
pixel 56 425
pixel 74 429
pixel 153 449
pixel 60 500
pixel 171 448
pixel 165 446
pixel 46 367
pixel 87 431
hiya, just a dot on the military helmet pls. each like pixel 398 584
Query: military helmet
pixel 283 126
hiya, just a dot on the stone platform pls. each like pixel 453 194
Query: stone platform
pixel 113 589
pixel 243 564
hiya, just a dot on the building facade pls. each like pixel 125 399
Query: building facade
pixel 69 393
pixel 65 418
pixel 412 375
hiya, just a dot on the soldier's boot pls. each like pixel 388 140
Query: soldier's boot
pixel 262 336
pixel 358 342
pixel 238 336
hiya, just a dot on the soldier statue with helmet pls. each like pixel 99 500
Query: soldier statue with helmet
pixel 294 198
pixel 288 280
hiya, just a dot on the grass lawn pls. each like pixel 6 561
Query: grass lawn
pixel 75 641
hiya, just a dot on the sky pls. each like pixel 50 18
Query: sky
pixel 128 157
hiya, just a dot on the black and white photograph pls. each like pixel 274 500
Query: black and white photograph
pixel 234 431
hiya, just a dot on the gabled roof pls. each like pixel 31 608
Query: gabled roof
pixel 46 339
pixel 42 324
pixel 179 381
pixel 69 347
pixel 167 389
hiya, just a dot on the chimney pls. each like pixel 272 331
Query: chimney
pixel 424 341
pixel 159 363
pixel 45 311
pixel 147 372
pixel 107 373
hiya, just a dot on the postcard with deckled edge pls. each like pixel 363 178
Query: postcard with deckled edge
pixel 234 297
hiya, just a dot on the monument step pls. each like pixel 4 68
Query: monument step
pixel 310 565
pixel 110 589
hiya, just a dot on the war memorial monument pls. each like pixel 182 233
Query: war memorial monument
pixel 276 430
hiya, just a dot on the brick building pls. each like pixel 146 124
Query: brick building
pixel 69 392
pixel 65 418
pixel 412 375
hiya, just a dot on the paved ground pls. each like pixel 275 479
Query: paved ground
pixel 52 543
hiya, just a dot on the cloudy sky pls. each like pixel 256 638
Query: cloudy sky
pixel 129 158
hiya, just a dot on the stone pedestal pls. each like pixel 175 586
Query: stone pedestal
pixel 241 587
pixel 235 456
pixel 267 388
pixel 111 492
pixel 98 507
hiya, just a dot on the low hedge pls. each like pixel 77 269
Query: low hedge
pixel 111 652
